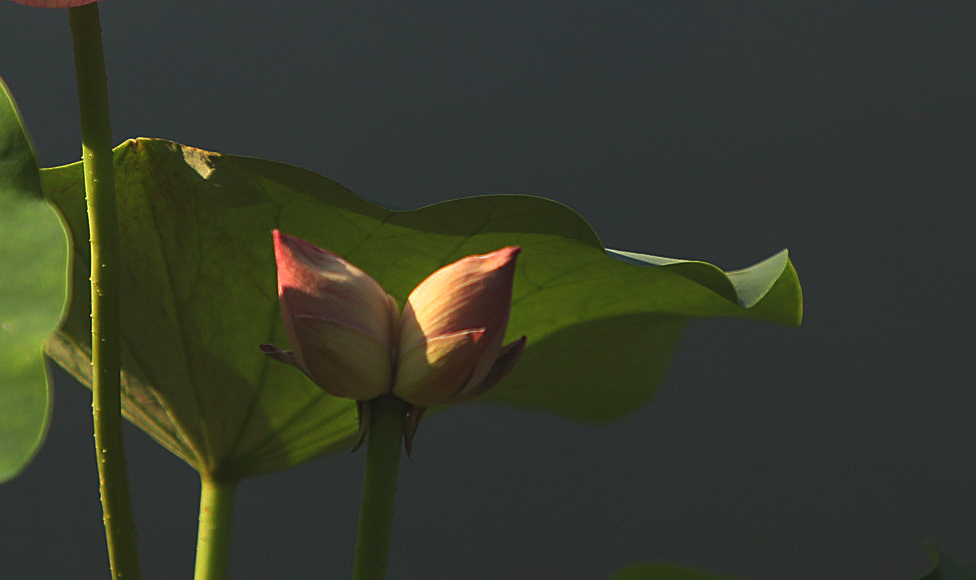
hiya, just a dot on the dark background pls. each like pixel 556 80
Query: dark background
pixel 712 130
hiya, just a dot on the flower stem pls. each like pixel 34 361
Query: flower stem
pixel 96 139
pixel 386 418
pixel 213 537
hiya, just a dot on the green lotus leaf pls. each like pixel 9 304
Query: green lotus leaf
pixel 33 257
pixel 200 296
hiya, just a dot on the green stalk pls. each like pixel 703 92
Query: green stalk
pixel 213 538
pixel 96 139
pixel 386 418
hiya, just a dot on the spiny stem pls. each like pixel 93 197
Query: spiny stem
pixel 96 138
pixel 213 538
pixel 386 418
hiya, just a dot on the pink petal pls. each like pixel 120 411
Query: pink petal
pixel 344 361
pixel 327 302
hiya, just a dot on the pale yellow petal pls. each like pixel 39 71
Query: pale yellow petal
pixel 433 372
pixel 474 292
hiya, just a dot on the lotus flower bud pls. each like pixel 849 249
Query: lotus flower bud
pixel 347 334
pixel 451 331
pixel 339 321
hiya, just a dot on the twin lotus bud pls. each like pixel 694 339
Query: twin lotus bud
pixel 349 337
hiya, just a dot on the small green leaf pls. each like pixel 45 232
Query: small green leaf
pixel 947 567
pixel 33 257
pixel 663 572
pixel 200 296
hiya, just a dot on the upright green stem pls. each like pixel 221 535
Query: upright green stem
pixel 213 538
pixel 96 138
pixel 386 417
